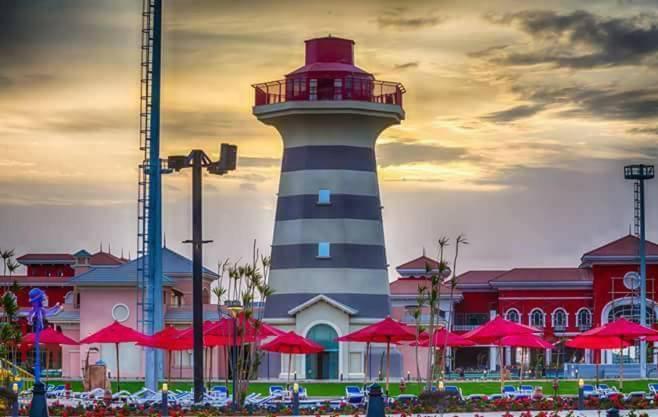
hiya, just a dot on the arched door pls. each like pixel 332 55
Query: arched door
pixel 323 365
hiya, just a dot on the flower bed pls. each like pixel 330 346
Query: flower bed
pixel 563 407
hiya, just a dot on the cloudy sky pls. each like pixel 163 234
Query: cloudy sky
pixel 520 117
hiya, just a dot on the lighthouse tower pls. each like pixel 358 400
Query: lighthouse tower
pixel 329 269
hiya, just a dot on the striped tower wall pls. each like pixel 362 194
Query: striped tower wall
pixel 333 149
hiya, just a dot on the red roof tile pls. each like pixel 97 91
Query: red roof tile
pixel 411 285
pixel 545 275
pixel 478 277
pixel 627 246
pixel 420 263
pixel 32 280
pixel 46 257
pixel 105 259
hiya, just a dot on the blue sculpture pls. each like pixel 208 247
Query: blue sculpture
pixel 36 317
pixel 39 407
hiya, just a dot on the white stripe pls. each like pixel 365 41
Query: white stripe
pixel 337 181
pixel 329 280
pixel 299 231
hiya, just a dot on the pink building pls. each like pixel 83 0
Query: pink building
pixel 104 293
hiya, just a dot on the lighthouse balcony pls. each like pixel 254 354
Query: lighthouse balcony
pixel 329 89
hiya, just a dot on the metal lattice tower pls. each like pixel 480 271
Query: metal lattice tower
pixel 636 208
pixel 149 199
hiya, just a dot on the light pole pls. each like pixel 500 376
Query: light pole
pixel 197 160
pixel 640 173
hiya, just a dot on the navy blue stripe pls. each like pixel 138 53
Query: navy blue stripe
pixel 343 255
pixel 343 206
pixel 353 158
pixel 367 305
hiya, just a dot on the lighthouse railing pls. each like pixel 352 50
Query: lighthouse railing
pixel 335 89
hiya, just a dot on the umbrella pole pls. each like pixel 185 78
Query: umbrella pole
pixel 500 362
pixel 47 363
pixel 118 369
pixel 180 365
pixel 289 365
pixel 169 367
pixel 388 363
pixel 365 364
pixel 621 365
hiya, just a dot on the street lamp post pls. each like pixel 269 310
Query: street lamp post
pixel 197 160
pixel 640 173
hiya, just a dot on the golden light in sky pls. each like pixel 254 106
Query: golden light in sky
pixel 519 118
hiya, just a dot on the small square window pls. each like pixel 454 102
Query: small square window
pixel 324 197
pixel 324 250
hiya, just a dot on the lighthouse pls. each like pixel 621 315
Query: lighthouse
pixel 329 268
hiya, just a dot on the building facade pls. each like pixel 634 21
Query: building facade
pixel 96 289
pixel 562 302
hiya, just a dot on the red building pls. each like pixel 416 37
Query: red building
pixel 52 272
pixel 561 301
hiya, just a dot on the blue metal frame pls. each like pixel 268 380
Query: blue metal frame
pixel 149 231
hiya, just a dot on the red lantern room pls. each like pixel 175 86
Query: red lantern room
pixel 329 73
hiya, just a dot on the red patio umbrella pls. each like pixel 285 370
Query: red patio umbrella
pixel 115 333
pixel 493 333
pixel 249 330
pixel 386 331
pixel 597 343
pixel 442 337
pixel 624 329
pixel 292 343
pixel 48 337
pixel 525 341
pixel 167 339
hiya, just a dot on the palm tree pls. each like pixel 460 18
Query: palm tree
pixel 461 240
pixel 12 267
pixel 433 301
pixel 6 256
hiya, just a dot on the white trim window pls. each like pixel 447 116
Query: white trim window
pixel 537 318
pixel 513 315
pixel 560 319
pixel 584 319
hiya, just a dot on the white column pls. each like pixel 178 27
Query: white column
pixel 508 356
pixel 655 353
pixel 493 358
pixel 547 357
pixel 493 351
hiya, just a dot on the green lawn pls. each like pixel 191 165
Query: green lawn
pixel 334 389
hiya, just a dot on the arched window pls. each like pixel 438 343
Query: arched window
pixel 584 319
pixel 513 315
pixel 68 298
pixel 630 312
pixel 537 318
pixel 559 319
